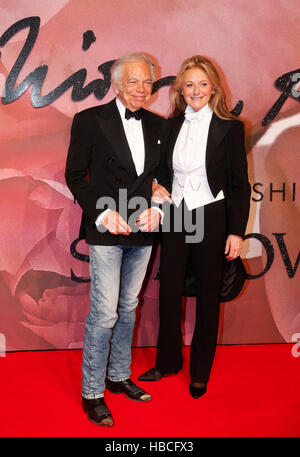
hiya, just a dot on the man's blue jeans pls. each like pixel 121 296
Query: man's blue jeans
pixel 117 274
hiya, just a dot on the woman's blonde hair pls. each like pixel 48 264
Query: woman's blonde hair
pixel 217 101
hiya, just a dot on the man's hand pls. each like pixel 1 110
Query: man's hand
pixel 233 246
pixel 148 220
pixel 115 224
pixel 160 193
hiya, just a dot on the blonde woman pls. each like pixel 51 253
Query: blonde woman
pixel 194 175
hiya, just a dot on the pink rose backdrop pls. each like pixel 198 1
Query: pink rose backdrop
pixel 252 43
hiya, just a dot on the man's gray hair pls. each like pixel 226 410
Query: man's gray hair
pixel 116 69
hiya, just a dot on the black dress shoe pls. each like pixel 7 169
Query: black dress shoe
pixel 151 375
pixel 197 392
pixel 97 411
pixel 127 387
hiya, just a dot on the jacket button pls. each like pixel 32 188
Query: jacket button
pixel 110 160
pixel 118 181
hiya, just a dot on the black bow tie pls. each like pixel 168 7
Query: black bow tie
pixel 135 114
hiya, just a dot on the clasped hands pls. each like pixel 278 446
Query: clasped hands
pixel 147 221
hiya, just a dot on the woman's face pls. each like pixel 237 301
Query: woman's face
pixel 196 88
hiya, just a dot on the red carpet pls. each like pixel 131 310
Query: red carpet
pixel 253 391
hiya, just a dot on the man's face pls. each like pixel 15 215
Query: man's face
pixel 136 85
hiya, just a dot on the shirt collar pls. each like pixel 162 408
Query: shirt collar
pixel 198 115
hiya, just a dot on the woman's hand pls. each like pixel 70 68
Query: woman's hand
pixel 233 246
pixel 160 193
pixel 148 221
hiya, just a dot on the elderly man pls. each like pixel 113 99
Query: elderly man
pixel 114 154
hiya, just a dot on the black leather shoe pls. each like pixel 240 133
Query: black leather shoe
pixel 97 411
pixel 151 375
pixel 197 392
pixel 127 387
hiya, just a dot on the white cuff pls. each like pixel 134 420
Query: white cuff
pixel 160 212
pixel 99 219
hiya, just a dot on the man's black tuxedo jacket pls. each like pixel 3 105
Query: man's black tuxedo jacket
pixel 223 135
pixel 99 163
